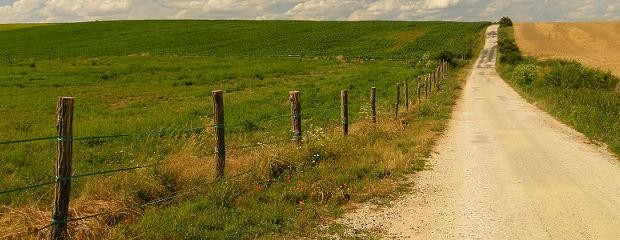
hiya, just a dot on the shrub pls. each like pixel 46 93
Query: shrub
pixel 509 50
pixel 573 75
pixel 526 74
pixel 505 22
pixel 447 56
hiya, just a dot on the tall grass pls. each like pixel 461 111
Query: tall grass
pixel 582 97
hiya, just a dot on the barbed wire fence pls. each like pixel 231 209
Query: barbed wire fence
pixel 65 139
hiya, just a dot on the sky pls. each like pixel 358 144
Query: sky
pixel 15 11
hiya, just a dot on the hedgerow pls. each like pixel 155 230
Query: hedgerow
pixel 582 97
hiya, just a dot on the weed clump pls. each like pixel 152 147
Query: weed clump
pixel 526 74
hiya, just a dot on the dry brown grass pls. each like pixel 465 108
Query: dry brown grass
pixel 595 44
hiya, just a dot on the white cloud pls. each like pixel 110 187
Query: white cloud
pixel 465 10
pixel 611 8
pixel 325 9
pixel 436 4
pixel 385 9
pixel 21 11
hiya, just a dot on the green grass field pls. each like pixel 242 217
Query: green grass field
pixel 402 40
pixel 132 77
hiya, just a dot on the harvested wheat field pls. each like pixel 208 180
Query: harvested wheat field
pixel 595 44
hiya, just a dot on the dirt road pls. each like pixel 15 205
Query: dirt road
pixel 505 170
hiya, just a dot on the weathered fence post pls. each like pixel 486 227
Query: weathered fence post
pixel 397 99
pixel 437 77
pixel 430 81
pixel 220 144
pixel 419 90
pixel 344 111
pixel 406 96
pixel 440 67
pixel 426 87
pixel 373 106
pixel 443 68
pixel 64 155
pixel 295 115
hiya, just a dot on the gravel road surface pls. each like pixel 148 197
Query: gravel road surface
pixel 505 170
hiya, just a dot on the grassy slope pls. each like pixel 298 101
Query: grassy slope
pixel 590 109
pixel 138 93
pixel 241 38
pixel 7 27
pixel 319 181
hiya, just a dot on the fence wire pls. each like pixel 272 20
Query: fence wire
pixel 163 133
pixel 93 174
pixel 169 198
pixel 258 144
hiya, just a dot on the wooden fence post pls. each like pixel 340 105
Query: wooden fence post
pixel 373 106
pixel 440 67
pixel 220 144
pixel 426 87
pixel 430 80
pixel 344 111
pixel 295 115
pixel 443 68
pixel 437 75
pixel 419 90
pixel 64 155
pixel 397 99
pixel 406 96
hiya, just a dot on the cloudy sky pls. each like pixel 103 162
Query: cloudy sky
pixel 463 10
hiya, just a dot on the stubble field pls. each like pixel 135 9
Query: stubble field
pixel 594 44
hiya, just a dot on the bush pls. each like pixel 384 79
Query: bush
pixel 509 50
pixel 447 56
pixel 505 22
pixel 526 74
pixel 573 75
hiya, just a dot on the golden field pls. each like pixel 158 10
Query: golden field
pixel 596 44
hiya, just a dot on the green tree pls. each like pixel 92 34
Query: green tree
pixel 505 22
